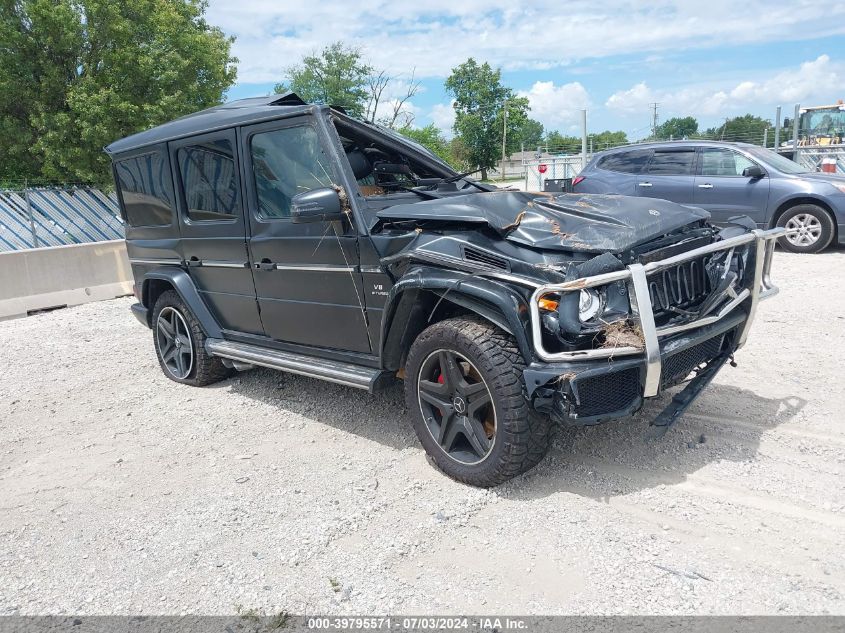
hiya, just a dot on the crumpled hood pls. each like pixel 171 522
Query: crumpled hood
pixel 564 222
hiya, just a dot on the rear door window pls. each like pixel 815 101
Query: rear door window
pixel 146 188
pixel 210 181
pixel 631 162
pixel 672 163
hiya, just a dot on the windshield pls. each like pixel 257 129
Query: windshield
pixel 396 136
pixel 776 161
pixel 823 122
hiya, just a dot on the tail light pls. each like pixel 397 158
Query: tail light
pixel 577 180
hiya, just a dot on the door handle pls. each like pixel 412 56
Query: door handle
pixel 265 264
pixel 194 261
pixel 706 185
pixel 644 184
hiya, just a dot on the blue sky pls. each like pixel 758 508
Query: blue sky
pixel 708 60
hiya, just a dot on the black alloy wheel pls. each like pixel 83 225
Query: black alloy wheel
pixel 457 407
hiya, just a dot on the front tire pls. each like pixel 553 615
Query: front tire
pixel 809 229
pixel 464 392
pixel 180 344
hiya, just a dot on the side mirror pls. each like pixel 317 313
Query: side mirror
pixel 317 205
pixel 755 171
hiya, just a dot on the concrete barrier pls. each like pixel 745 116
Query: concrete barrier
pixel 58 276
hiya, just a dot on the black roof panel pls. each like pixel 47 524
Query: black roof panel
pixel 239 112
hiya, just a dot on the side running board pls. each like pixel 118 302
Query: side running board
pixel 330 370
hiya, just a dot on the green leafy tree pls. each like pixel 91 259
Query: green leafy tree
pixel 558 143
pixel 747 128
pixel 77 74
pixel 517 119
pixel 337 75
pixel 608 139
pixel 460 155
pixel 678 128
pixel 431 138
pixel 529 135
pixel 479 104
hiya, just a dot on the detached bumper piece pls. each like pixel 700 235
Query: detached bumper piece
pixel 141 313
pixel 682 400
pixel 584 395
pixel 588 387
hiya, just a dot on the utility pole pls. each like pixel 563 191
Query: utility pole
pixel 766 137
pixel 583 139
pixel 504 136
pixel 777 128
pixel 795 132
pixel 654 120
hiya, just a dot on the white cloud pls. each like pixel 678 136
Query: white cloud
pixel 437 35
pixel 635 99
pixel 813 79
pixel 556 106
pixel 808 84
pixel 443 116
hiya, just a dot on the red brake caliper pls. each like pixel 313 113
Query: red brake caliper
pixel 441 381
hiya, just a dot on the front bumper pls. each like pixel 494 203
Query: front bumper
pixel 589 386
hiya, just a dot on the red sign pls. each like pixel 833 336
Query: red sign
pixel 542 168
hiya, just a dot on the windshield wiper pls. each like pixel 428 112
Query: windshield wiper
pixel 430 195
pixel 464 175
pixel 457 177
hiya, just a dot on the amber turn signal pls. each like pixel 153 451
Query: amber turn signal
pixel 547 304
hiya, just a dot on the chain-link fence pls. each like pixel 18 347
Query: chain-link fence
pixel 52 216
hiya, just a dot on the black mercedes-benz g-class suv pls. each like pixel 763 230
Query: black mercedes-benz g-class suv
pixel 276 233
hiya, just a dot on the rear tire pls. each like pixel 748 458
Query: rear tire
pixel 180 344
pixel 453 412
pixel 810 227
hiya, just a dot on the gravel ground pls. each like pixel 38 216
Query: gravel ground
pixel 123 492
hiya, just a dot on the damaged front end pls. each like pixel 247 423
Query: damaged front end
pixel 614 333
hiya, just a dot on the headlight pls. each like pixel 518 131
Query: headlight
pixel 589 304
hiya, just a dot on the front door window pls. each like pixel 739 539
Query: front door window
pixel 723 162
pixel 287 162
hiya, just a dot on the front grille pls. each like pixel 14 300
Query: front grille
pixel 682 286
pixel 678 366
pixel 608 393
pixel 484 258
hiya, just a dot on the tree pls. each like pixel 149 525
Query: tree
pixel 431 138
pixel 77 74
pixel 678 128
pixel 747 128
pixel 557 143
pixel 608 139
pixel 479 104
pixel 517 120
pixel 337 75
pixel 460 155
pixel 529 135
pixel 398 114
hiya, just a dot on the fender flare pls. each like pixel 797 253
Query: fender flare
pixel 185 288
pixel 488 298
pixel 794 199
